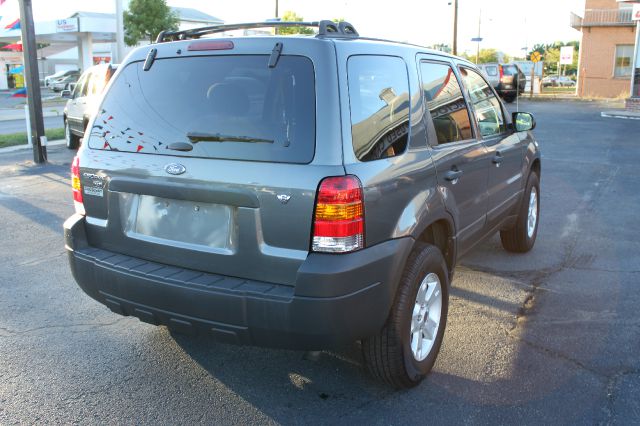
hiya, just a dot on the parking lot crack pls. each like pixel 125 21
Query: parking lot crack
pixel 614 379
pixel 6 332
pixel 559 355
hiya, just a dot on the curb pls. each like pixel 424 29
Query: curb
pixel 22 117
pixel 622 114
pixel 27 146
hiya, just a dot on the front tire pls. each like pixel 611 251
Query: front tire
pixel 407 346
pixel 522 237
pixel 71 140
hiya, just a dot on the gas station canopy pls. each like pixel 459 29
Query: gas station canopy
pixel 81 29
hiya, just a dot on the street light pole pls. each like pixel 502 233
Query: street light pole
pixel 478 47
pixel 34 101
pixel 455 27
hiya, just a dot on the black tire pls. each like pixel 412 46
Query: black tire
pixel 388 355
pixel 518 239
pixel 72 140
pixel 510 98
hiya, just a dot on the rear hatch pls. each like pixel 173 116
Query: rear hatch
pixel 509 76
pixel 208 158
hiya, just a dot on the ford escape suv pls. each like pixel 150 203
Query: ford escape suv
pixel 297 191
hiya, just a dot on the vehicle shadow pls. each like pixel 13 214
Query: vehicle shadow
pixel 280 383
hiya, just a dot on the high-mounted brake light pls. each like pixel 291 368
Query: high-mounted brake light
pixel 338 225
pixel 76 186
pixel 210 45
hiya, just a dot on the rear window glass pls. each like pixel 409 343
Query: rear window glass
pixel 491 71
pixel 509 70
pixel 379 102
pixel 228 107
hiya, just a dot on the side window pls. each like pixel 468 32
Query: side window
pixel 80 88
pixel 445 102
pixel 486 106
pixel 379 103
pixel 97 83
pixel 492 71
pixel 87 83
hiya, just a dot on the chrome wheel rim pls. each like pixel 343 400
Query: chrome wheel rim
pixel 532 216
pixel 425 320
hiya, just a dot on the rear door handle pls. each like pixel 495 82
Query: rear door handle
pixel 453 175
pixel 497 159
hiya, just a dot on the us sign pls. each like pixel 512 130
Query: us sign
pixel 67 25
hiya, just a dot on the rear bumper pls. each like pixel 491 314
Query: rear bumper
pixel 336 299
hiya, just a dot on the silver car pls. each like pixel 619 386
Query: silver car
pixel 84 97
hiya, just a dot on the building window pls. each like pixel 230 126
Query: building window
pixel 624 56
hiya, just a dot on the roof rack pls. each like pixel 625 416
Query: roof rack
pixel 326 28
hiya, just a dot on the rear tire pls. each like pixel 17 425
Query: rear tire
pixel 398 355
pixel 522 237
pixel 72 140
pixel 509 99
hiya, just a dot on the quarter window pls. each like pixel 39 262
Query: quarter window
pixel 445 102
pixel 624 55
pixel 486 106
pixel 379 102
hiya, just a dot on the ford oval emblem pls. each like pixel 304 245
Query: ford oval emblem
pixel 175 169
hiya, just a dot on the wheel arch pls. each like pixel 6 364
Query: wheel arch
pixel 441 233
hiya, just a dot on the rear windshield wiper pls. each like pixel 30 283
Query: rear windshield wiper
pixel 217 137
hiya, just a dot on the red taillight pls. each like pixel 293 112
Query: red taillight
pixel 210 45
pixel 76 186
pixel 338 225
pixel 501 71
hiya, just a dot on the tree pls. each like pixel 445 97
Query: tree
pixel 551 56
pixel 442 47
pixel 146 18
pixel 290 16
pixel 487 55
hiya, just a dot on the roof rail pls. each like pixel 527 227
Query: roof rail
pixel 326 28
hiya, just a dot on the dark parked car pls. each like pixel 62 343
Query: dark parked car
pixel 508 80
pixel 299 192
pixel 83 101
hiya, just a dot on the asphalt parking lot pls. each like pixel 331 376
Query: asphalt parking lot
pixel 552 336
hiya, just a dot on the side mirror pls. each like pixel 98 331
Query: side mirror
pixel 523 121
pixel 66 94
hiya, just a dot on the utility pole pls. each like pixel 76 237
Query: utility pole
pixel 34 101
pixel 479 38
pixel 455 27
pixel 276 8
pixel 119 33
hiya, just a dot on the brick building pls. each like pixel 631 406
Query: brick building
pixel 606 49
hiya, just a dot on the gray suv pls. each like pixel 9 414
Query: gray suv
pixel 297 191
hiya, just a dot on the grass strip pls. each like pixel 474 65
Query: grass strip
pixel 11 139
